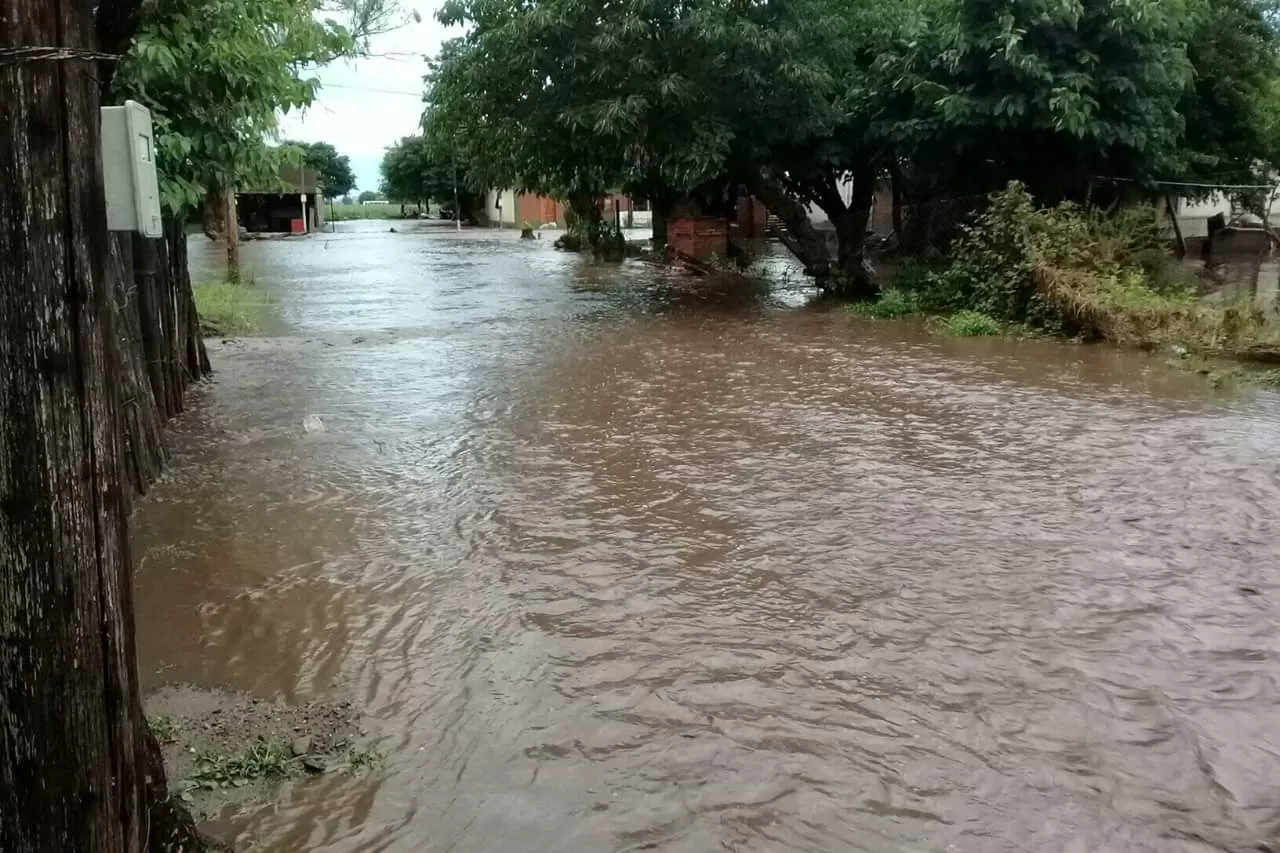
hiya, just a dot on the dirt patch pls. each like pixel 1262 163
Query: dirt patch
pixel 222 747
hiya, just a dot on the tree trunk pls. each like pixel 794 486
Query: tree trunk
pixel 196 357
pixel 659 223
pixel 231 232
pixel 800 236
pixel 854 281
pixel 587 220
pixel 74 769
pixel 897 192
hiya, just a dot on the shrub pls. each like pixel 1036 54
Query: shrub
pixel 971 324
pixel 1081 271
pixel 892 303
pixel 997 262
pixel 990 269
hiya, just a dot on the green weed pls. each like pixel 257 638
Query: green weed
pixel 364 758
pixel 164 729
pixel 1268 378
pixel 892 303
pixel 971 324
pixel 230 308
pixel 263 760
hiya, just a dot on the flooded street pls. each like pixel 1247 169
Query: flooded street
pixel 617 562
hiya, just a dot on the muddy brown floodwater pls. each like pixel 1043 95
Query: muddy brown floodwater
pixel 615 563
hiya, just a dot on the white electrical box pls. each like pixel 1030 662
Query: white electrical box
pixel 129 170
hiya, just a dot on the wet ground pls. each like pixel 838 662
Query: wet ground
pixel 614 562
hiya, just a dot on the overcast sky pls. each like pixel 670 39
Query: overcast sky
pixel 366 105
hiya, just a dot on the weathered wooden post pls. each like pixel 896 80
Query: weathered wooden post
pixel 76 773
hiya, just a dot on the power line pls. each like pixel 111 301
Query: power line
pixel 1200 185
pixel 417 95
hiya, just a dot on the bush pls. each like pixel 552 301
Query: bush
pixel 995 261
pixel 1080 271
pixel 971 324
pixel 892 303
pixel 991 264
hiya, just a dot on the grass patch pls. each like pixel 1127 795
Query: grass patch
pixel 1122 307
pixel 971 324
pixel 893 303
pixel 263 760
pixel 164 729
pixel 230 308
pixel 350 212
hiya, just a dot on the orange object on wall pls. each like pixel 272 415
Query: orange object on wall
pixel 297 226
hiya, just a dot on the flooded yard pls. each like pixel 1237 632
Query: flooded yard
pixel 615 561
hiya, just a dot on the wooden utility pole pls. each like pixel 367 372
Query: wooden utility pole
pixel 77 769
pixel 1179 242
pixel 232 234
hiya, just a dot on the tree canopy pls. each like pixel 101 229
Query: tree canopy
pixel 333 170
pixel 815 101
pixel 217 77
pixel 417 170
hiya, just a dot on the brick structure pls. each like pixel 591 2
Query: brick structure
pixel 753 217
pixel 699 237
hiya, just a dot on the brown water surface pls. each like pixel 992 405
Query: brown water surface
pixel 617 562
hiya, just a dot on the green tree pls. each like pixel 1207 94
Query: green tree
pixel 814 101
pixel 841 110
pixel 676 100
pixel 1057 94
pixel 417 170
pixel 333 170
pixel 369 195
pixel 216 78
pixel 1235 58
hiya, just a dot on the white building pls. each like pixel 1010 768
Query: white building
pixel 500 208
pixel 1194 215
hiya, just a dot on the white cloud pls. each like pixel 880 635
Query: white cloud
pixel 366 105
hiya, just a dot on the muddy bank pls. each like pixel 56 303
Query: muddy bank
pixel 226 749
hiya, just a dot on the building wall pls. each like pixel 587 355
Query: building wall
pixel 273 212
pixel 500 208
pixel 1193 215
